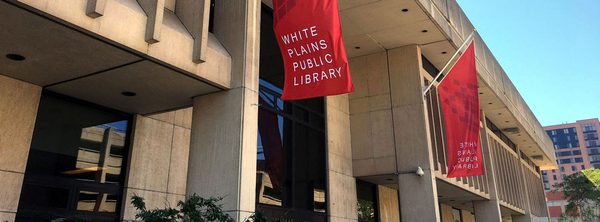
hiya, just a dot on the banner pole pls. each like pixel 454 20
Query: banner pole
pixel 449 61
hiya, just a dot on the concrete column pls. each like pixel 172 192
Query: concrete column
pixel 488 210
pixel 158 160
pixel 418 194
pixel 222 158
pixel 341 184
pixel 18 109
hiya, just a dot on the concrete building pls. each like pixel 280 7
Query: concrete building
pixel 101 100
pixel 577 147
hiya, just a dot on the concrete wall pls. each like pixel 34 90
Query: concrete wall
pixel 158 161
pixel 18 109
pixel 373 150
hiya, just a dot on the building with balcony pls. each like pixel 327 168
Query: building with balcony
pixel 101 100
pixel 577 147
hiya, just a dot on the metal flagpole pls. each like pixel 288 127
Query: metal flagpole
pixel 448 64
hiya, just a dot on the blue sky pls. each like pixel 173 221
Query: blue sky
pixel 549 48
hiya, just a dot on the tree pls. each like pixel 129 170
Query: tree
pixel 582 193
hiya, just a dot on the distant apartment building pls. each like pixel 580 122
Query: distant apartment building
pixel 577 148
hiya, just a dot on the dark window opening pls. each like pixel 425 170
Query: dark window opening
pixel 74 168
pixel 291 171
pixel 498 132
pixel 367 201
pixel 430 68
pixel 211 17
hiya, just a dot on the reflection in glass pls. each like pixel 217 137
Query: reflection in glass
pixel 75 162
pixel 366 194
pixel 291 154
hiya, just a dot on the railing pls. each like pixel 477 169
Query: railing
pixel 507 169
pixel 475 184
pixel 533 182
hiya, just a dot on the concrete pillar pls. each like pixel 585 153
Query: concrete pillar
pixel 222 158
pixel 158 160
pixel 341 184
pixel 488 210
pixel 418 194
pixel 18 109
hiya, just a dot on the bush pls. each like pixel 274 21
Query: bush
pixel 194 209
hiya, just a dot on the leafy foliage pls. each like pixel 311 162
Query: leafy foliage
pixel 194 209
pixel 582 194
pixel 366 212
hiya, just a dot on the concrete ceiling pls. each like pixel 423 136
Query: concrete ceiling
pixel 376 25
pixel 53 52
pixel 156 88
pixel 371 26
pixel 73 63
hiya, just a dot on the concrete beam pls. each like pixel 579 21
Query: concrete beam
pixel 154 10
pixel 95 8
pixel 194 14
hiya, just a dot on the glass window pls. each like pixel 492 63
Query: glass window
pixel 588 127
pixel 291 155
pixel 565 131
pixel 592 143
pixel 583 167
pixel 367 201
pixel 573 168
pixel 75 164
pixel 291 171
pixel 562 169
pixel 554 177
pixel 591 136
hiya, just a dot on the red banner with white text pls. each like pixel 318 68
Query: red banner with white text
pixel 460 108
pixel 310 39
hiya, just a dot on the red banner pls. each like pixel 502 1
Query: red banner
pixel 460 108
pixel 310 38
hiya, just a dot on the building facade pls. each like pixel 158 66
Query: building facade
pixel 577 148
pixel 101 100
